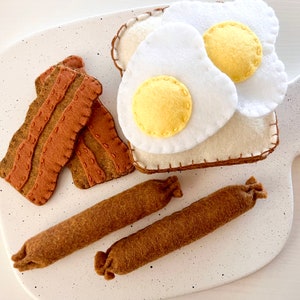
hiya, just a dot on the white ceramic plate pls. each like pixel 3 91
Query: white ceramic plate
pixel 233 251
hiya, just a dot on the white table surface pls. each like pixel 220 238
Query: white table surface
pixel 280 279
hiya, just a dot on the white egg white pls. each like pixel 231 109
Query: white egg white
pixel 265 90
pixel 177 49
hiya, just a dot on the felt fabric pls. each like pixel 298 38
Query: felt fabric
pixel 162 106
pixel 241 140
pixel 178 229
pixel 133 32
pixel 240 58
pixel 265 90
pixel 178 51
pixel 252 133
pixel 95 222
pixel 256 14
pixel 99 155
pixel 42 146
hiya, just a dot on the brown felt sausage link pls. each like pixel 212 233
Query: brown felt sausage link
pixel 95 222
pixel 179 229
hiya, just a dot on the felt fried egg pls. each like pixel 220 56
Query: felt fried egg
pixel 172 96
pixel 239 38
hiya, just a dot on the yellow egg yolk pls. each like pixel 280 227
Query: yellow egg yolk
pixel 234 48
pixel 162 106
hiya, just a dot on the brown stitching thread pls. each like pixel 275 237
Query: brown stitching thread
pixel 205 164
pixel 42 78
pixel 109 139
pixel 116 39
pixel 202 165
pixel 72 61
pixel 93 172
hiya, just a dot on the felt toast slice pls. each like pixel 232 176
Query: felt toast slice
pixel 241 140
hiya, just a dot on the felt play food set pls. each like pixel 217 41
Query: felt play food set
pixel 200 83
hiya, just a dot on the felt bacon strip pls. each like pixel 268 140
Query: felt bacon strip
pixel 179 229
pixel 45 141
pixel 73 62
pixel 100 154
pixel 95 222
